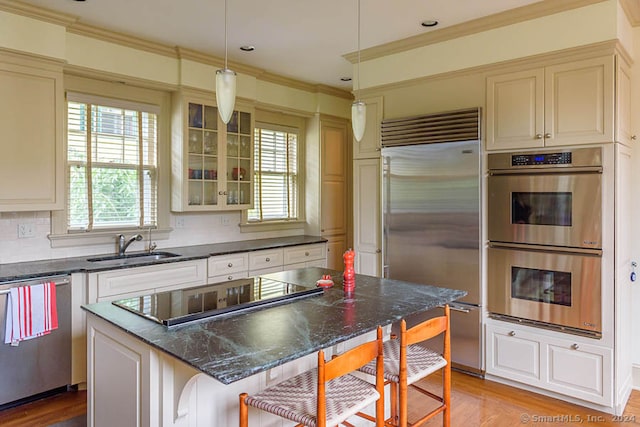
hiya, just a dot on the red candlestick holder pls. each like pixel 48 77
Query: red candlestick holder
pixel 349 275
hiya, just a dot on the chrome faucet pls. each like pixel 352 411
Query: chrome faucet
pixel 122 245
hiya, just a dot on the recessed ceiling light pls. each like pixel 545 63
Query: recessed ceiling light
pixel 247 48
pixel 345 79
pixel 429 23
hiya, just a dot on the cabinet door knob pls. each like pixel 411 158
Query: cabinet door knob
pixel 512 334
pixel 267 259
pixel 633 137
pixel 547 135
pixel 230 265
pixel 575 346
pixel 229 277
pixel 306 254
pixel 538 136
pixel 220 193
pixel 378 251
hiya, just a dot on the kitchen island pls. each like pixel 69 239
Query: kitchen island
pixel 143 373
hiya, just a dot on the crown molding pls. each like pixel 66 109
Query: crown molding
pixel 632 10
pixel 39 13
pixel 308 87
pixel 508 17
pixel 121 39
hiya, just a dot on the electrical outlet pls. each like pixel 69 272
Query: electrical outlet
pixel 179 222
pixel 25 230
pixel 225 220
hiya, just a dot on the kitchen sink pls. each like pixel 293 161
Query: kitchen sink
pixel 134 258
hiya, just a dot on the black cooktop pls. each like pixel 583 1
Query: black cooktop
pixel 184 305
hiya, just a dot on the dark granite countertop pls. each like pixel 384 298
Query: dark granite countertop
pixel 52 267
pixel 236 346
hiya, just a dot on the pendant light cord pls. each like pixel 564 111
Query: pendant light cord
pixel 225 34
pixel 358 88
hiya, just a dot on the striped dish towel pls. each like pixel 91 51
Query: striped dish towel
pixel 31 312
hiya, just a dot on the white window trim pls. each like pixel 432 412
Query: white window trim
pixel 160 103
pixel 284 122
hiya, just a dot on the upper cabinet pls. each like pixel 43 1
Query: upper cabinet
pixel 212 163
pixel 31 119
pixel 369 146
pixel 561 104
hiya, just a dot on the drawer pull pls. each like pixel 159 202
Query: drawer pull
pixel 267 259
pixel 512 334
pixel 230 278
pixel 575 346
pixel 306 254
pixel 230 265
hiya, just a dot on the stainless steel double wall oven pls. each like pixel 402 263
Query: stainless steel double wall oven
pixel 545 233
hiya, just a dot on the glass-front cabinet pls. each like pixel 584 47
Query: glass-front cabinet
pixel 211 161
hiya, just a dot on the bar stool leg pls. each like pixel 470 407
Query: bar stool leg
pixel 244 411
pixel 393 392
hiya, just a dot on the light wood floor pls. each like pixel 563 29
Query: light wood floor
pixel 475 403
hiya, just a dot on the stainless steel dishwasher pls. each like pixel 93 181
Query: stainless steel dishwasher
pixel 41 364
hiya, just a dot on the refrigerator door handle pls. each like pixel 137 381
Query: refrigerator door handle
pixel 386 210
pixel 456 308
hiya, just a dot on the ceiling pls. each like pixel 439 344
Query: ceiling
pixel 301 39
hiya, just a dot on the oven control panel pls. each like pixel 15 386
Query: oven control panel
pixel 541 159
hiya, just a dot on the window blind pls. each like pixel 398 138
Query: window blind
pixel 275 175
pixel 112 165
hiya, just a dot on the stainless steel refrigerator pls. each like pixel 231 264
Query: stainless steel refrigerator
pixel 431 217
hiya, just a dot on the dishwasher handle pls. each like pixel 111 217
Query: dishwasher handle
pixel 58 283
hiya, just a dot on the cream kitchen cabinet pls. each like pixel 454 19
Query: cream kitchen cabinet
pixel 212 163
pixel 32 123
pixel 123 283
pixel 551 361
pixel 265 261
pixel 369 146
pixel 560 104
pixel 314 255
pixel 367 208
pixel 328 201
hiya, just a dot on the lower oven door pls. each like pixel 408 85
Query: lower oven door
pixel 542 284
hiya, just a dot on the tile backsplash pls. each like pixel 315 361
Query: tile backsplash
pixel 191 229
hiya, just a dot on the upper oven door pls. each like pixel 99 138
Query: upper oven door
pixel 555 208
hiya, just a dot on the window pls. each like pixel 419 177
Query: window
pixel 276 177
pixel 112 164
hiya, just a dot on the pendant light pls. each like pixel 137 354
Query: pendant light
pixel 358 108
pixel 225 82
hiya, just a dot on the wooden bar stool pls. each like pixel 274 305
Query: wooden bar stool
pixel 408 360
pixel 326 395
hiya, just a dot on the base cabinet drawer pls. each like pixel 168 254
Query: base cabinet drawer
pixel 551 361
pixel 514 354
pixel 305 253
pixel 228 264
pixel 580 370
pixel 267 259
pixel 228 277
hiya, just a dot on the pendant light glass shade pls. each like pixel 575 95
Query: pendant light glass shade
pixel 358 108
pixel 358 119
pixel 225 93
